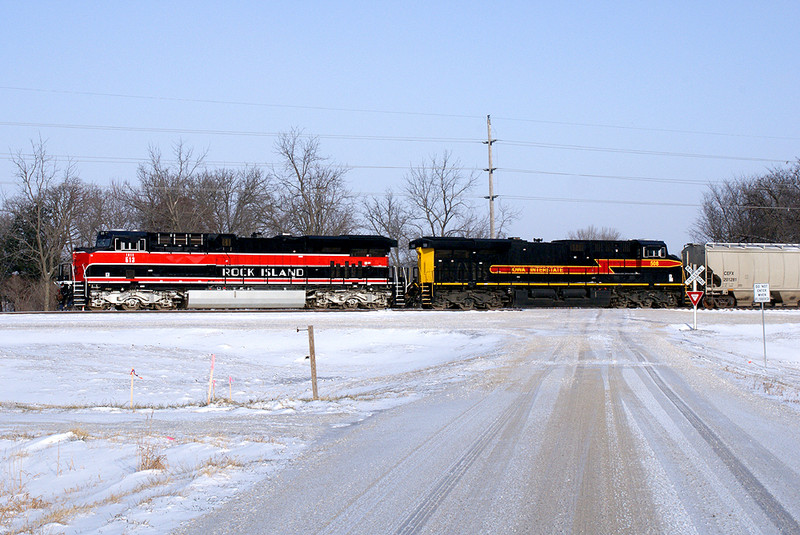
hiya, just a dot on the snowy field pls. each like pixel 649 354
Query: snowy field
pixel 107 427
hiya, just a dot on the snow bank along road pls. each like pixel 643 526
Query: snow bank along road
pixel 587 421
pixel 535 421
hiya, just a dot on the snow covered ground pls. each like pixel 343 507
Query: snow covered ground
pixel 76 457
pixel 734 343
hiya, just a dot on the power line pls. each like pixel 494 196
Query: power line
pixel 245 133
pixel 507 170
pixel 238 103
pixel 640 203
pixel 598 201
pixel 394 112
pixel 649 129
pixel 614 177
pixel 395 138
pixel 639 151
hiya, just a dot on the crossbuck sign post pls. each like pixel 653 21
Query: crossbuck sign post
pixel 695 278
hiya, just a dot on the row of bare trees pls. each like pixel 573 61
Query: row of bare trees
pixel 762 208
pixel 54 211
pixel 434 200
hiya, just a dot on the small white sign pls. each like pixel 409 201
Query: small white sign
pixel 761 293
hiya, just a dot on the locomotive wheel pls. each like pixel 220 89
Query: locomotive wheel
pixel 467 304
pixel 130 304
pixel 351 303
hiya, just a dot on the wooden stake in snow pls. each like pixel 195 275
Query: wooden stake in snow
pixel 313 358
pixel 133 374
pixel 211 379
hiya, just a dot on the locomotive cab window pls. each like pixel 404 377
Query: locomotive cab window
pixel 122 244
pixel 654 252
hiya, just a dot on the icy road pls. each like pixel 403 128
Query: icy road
pixel 534 421
pixel 585 422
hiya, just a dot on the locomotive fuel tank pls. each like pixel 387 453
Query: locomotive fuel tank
pixel 222 299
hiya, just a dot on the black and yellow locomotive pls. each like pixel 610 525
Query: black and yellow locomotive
pixel 466 273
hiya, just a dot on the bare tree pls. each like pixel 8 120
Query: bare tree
pixel 43 213
pixel 314 198
pixel 7 260
pixel 438 193
pixel 720 217
pixel 163 200
pixel 594 233
pixel 101 209
pixel 390 216
pixel 507 216
pixel 761 208
pixel 238 202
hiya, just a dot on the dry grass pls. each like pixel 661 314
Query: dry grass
pixel 64 513
pixel 80 433
pixel 59 515
pixel 15 503
pixel 264 440
pixel 218 463
pixel 14 496
pixel 150 455
pixel 18 436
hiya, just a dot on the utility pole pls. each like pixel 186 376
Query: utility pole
pixel 491 170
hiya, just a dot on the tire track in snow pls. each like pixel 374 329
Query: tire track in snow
pixel 514 413
pixel 774 510
pixel 348 519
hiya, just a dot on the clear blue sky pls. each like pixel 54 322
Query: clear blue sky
pixel 587 99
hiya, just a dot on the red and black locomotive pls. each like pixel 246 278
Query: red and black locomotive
pixel 161 270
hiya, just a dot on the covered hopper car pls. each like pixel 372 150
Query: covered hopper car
pixel 731 270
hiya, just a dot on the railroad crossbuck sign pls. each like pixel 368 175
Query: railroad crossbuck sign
pixel 694 278
pixel 695 275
